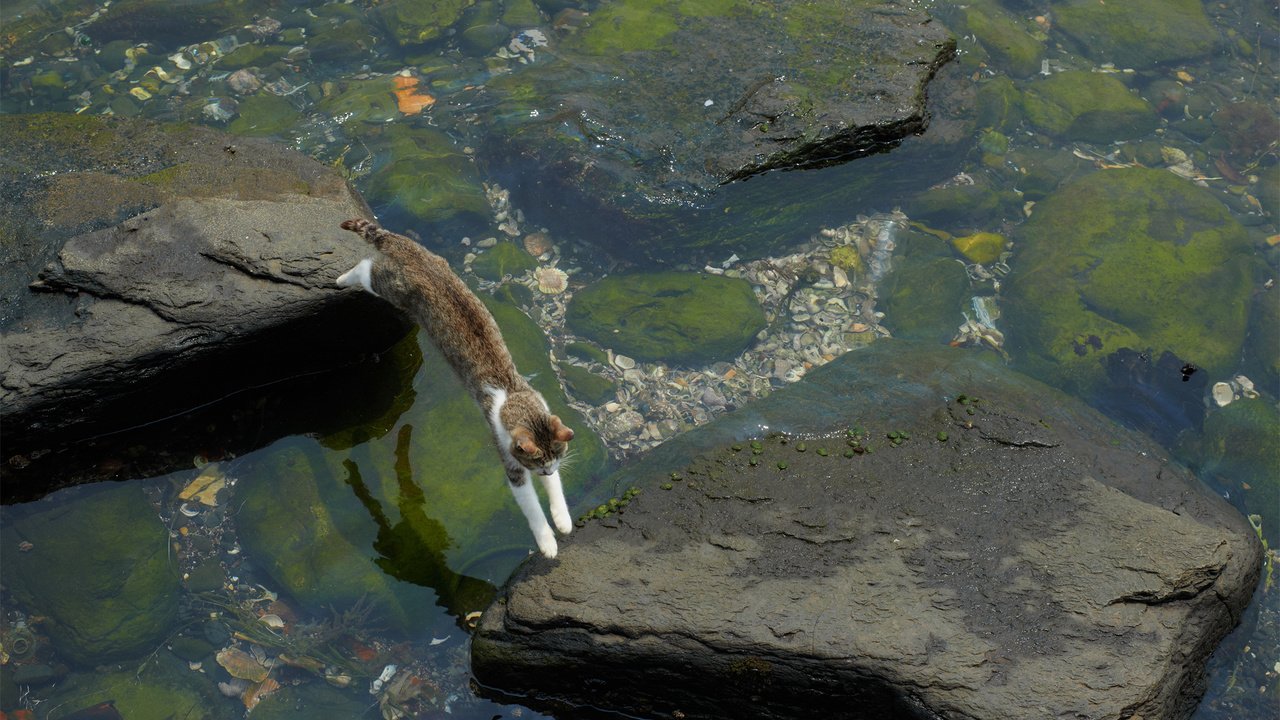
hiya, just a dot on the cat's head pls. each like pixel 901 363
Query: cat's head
pixel 540 444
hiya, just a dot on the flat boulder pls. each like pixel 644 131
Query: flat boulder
pixel 150 270
pixel 909 532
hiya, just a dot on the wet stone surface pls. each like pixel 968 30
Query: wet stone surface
pixel 963 543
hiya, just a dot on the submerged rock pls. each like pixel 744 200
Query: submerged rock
pixel 97 567
pixel 990 539
pixel 652 106
pixel 677 317
pixel 1134 258
pixel 1137 33
pixel 1089 106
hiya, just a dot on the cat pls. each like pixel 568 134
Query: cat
pixel 530 440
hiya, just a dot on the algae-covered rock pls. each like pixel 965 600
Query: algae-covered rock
pixel 1137 33
pixel 586 385
pixel 411 22
pixel 426 176
pixel 265 115
pixel 505 258
pixel 291 521
pixel 369 101
pixel 1135 258
pixel 670 316
pixel 311 701
pixel 982 247
pixel 999 105
pixel 923 298
pixel 161 689
pixel 1006 40
pixel 975 202
pixel 1239 450
pixel 98 569
pixel 1089 106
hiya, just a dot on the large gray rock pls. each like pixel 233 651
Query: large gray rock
pixel 226 283
pixel 646 111
pixel 1026 559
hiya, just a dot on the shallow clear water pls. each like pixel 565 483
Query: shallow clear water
pixel 388 526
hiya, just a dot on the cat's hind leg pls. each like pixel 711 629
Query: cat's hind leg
pixel 527 499
pixel 358 276
pixel 555 498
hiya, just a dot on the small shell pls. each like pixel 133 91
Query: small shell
pixel 1223 394
pixel 623 362
pixel 537 244
pixel 551 280
pixel 272 620
pixel 140 93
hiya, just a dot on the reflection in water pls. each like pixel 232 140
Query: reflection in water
pixel 413 549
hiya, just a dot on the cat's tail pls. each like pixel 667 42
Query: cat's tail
pixel 367 229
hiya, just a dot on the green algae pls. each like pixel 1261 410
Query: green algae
pixel 588 386
pixel 1140 258
pixel 265 115
pixel 412 22
pixel 161 689
pixel 422 172
pixel 1006 40
pixel 1089 106
pixel 505 258
pixel 1137 33
pixel 368 101
pixel 110 545
pixel 671 316
pixel 923 298
pixel 1238 449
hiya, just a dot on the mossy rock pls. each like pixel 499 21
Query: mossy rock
pixel 99 571
pixel 521 14
pixel 505 258
pixel 161 689
pixel 977 203
pixel 293 510
pixel 1137 33
pixel 1007 40
pixel 310 701
pixel 999 105
pixel 412 22
pixel 588 386
pixel 587 352
pixel 252 55
pixel 423 174
pixel 265 115
pixel 1088 106
pixel 1140 258
pixel 685 318
pixel 1240 451
pixel 983 247
pixel 369 101
pixel 924 297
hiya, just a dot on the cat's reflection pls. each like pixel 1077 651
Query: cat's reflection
pixel 412 550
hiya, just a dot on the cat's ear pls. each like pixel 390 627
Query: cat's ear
pixel 523 440
pixel 559 430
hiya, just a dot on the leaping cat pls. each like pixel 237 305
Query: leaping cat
pixel 530 440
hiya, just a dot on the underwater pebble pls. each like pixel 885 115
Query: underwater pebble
pixel 1223 394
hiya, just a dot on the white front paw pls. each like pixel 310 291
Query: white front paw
pixel 563 522
pixel 546 543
